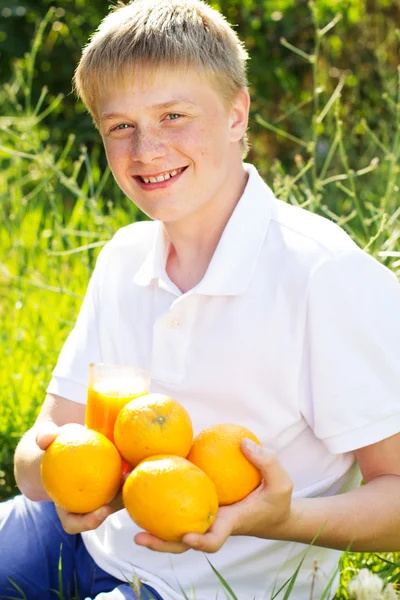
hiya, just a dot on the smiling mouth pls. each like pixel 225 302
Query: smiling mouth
pixel 162 177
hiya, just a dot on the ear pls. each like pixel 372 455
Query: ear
pixel 239 115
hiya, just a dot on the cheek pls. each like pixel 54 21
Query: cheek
pixel 115 153
pixel 214 149
pixel 216 136
pixel 110 155
pixel 210 143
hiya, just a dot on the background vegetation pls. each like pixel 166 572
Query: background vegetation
pixel 325 133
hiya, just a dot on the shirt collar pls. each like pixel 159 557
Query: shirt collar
pixel 236 255
pixel 153 266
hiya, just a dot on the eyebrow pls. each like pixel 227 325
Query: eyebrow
pixel 161 105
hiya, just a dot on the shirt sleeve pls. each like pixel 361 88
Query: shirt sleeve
pixel 71 374
pixel 352 351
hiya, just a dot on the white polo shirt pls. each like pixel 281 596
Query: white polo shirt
pixel 293 332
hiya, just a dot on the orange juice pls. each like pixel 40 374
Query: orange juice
pixel 105 400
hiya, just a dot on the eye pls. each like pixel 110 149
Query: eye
pixel 173 116
pixel 121 127
pixel 118 128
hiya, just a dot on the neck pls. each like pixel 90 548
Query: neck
pixel 194 240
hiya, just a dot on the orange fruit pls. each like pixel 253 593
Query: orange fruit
pixel 81 470
pixel 169 496
pixel 216 450
pixel 152 424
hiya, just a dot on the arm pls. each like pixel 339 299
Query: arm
pixel 367 519
pixel 55 412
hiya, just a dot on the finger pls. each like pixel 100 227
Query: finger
pixel 154 543
pixel 74 523
pixel 273 473
pixel 46 435
pixel 216 536
pixel 116 503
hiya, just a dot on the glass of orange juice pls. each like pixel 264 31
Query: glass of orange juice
pixel 110 388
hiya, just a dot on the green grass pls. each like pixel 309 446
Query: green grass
pixel 58 211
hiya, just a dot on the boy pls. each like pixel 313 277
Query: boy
pixel 244 309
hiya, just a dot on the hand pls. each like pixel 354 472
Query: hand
pixel 47 432
pixel 74 523
pixel 262 513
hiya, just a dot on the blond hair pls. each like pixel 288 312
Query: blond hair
pixel 152 34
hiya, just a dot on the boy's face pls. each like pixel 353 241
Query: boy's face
pixel 173 123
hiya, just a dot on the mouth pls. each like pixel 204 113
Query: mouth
pixel 160 177
pixel 159 180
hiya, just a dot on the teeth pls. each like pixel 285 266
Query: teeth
pixel 161 177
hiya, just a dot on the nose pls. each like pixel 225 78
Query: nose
pixel 147 146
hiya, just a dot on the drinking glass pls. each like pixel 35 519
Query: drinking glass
pixel 110 388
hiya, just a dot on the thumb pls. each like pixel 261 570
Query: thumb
pixel 266 461
pixel 46 434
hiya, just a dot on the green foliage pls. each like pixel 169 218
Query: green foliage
pixel 325 130
pixel 71 23
pixel 364 45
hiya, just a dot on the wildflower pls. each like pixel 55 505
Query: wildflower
pixel 389 593
pixel 369 586
pixel 366 586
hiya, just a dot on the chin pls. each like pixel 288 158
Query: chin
pixel 159 215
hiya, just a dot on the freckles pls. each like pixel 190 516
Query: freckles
pixel 114 151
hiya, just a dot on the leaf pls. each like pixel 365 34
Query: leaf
pixel 222 580
pixel 23 596
pixel 292 580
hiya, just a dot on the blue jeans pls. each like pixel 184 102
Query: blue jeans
pixel 32 546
